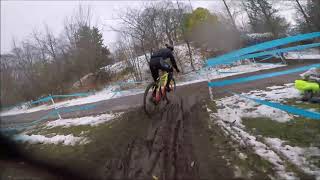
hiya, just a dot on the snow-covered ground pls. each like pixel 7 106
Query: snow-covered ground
pixel 181 51
pixel 88 120
pixel 231 109
pixel 65 123
pixel 115 92
pixel 221 72
pixel 57 139
pixel 296 155
pixel 108 93
pixel 308 54
pixel 235 107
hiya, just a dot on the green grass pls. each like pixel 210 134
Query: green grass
pixel 304 105
pixel 212 106
pixel 252 167
pixel 298 132
pixel 107 141
pixel 75 130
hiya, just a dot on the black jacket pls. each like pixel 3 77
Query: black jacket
pixel 163 54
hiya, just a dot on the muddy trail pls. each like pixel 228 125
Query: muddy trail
pixel 170 150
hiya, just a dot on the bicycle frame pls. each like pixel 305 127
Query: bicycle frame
pixel 161 86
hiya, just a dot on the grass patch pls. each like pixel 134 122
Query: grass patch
pixel 107 141
pixel 252 167
pixel 212 106
pixel 75 130
pixel 298 132
pixel 304 105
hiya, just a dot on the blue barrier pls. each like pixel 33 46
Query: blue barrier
pixel 260 47
pixel 21 126
pixel 289 109
pixel 72 109
pixel 261 76
pixel 48 98
pixel 219 61
pixel 274 52
pixel 72 95
pixel 266 58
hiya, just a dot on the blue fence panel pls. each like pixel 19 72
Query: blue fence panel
pixel 248 56
pixel 283 107
pixel 261 47
pixel 46 99
pixel 261 76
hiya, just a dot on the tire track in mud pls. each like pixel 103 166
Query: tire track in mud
pixel 166 153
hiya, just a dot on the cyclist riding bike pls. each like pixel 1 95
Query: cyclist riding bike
pixel 157 62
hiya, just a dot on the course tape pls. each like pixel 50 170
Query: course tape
pixel 269 57
pixel 260 47
pixel 48 98
pixel 53 113
pixel 272 52
pixel 72 95
pixel 261 76
pixel 289 109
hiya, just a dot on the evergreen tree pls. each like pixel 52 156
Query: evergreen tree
pixel 264 18
pixel 90 53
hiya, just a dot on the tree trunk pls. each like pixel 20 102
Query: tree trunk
pixel 267 16
pixel 169 36
pixel 190 55
pixel 144 52
pixel 232 19
pixel 304 15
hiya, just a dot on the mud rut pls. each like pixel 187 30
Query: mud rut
pixel 167 152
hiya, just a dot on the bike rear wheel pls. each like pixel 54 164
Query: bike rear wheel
pixel 148 105
pixel 173 84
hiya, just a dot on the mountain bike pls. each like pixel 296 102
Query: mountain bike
pixel 156 93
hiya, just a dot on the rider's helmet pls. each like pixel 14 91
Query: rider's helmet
pixel 169 47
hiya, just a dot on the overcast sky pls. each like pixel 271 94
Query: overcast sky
pixel 20 18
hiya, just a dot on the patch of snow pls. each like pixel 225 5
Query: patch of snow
pixel 221 72
pixel 297 155
pixel 58 139
pixel 108 93
pixel 234 107
pixel 116 67
pixel 114 92
pixel 22 109
pixel 308 54
pixel 245 139
pixel 89 120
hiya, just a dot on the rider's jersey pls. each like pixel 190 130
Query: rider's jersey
pixel 164 54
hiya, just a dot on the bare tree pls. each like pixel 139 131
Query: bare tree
pixel 230 15
pixel 185 37
pixel 304 15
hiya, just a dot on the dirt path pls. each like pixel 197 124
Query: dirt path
pixel 168 152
